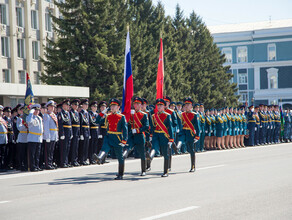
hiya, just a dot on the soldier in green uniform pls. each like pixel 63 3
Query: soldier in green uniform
pixel 203 124
pixel 161 128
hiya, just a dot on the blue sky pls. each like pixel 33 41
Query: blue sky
pixel 218 12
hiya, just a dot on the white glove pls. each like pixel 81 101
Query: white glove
pixel 134 131
pixel 261 126
pixel 104 111
pixel 177 131
pixel 132 112
pixel 81 137
pixel 71 137
pixel 268 127
pixel 195 140
pixel 99 136
pixel 227 129
pixel 48 140
pixel 62 137
pixel 255 129
pixel 150 138
pixel 31 111
pixel 89 137
pixel 206 132
pixel 170 144
pixel 122 145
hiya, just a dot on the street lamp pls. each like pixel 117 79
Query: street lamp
pixel 224 101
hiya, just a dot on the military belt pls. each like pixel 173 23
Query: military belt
pixel 10 132
pixel 3 132
pixel 35 133
pixel 85 126
pixel 114 132
pixel 23 132
pixel 77 126
pixel 252 121
pixel 103 127
pixel 54 129
pixel 67 126
pixel 95 127
pixel 157 131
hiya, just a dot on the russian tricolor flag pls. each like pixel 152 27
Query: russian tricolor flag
pixel 128 88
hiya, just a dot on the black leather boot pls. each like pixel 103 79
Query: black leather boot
pixel 149 160
pixel 143 168
pixel 165 172
pixel 121 172
pixel 193 163
pixel 170 158
pixel 99 158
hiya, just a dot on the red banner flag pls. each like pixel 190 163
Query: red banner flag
pixel 160 74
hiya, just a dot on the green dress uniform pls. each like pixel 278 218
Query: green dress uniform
pixel 202 137
pixel 219 126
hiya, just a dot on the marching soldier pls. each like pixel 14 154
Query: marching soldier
pixel 65 133
pixel 180 141
pixel 117 135
pixel 75 120
pixel 162 131
pixel 190 121
pixel 3 139
pixel 199 131
pixel 84 133
pixel 173 126
pixel 50 134
pixel 94 132
pixel 22 128
pixel 34 137
pixel 138 124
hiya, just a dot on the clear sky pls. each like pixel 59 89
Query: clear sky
pixel 219 12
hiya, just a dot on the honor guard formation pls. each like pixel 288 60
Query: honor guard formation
pixel 78 133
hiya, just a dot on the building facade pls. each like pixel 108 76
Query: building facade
pixel 260 56
pixel 25 26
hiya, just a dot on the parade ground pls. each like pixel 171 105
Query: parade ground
pixel 246 183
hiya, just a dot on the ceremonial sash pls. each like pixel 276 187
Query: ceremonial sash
pixel 161 125
pixel 188 123
pixel 53 116
pixel 137 121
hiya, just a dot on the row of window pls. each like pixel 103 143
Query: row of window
pixel 20 18
pixel 242 55
pixel 5 48
pixel 6 76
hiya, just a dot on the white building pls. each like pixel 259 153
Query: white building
pixel 260 56
pixel 24 27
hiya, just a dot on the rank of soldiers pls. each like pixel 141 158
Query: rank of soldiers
pixel 75 133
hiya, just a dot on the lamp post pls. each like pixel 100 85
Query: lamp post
pixel 224 101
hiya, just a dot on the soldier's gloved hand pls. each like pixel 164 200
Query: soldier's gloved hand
pixel 177 131
pixel 71 137
pixel 170 144
pixel 255 129
pixel 62 137
pixel 196 139
pixel 81 137
pixel 261 126
pixel 132 111
pixel 104 111
pixel 134 131
pixel 150 138
pixel 122 145
pixel 99 136
pixel 48 140
pixel 89 137
pixel 268 127
pixel 206 132
pixel 227 129
pixel 31 111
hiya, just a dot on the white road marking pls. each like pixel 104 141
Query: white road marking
pixel 170 213
pixel 211 167
pixel 2 202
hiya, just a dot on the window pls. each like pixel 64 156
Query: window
pixel 19 17
pixel 35 50
pixel 5 46
pixel 20 48
pixel 228 54
pixel 34 19
pixel 21 77
pixel 242 54
pixel 48 22
pixel 242 76
pixel 271 52
pixel 272 78
pixel 36 77
pixel 6 76
pixel 3 14
pixel 243 97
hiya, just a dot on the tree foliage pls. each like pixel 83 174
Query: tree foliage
pixel 89 51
